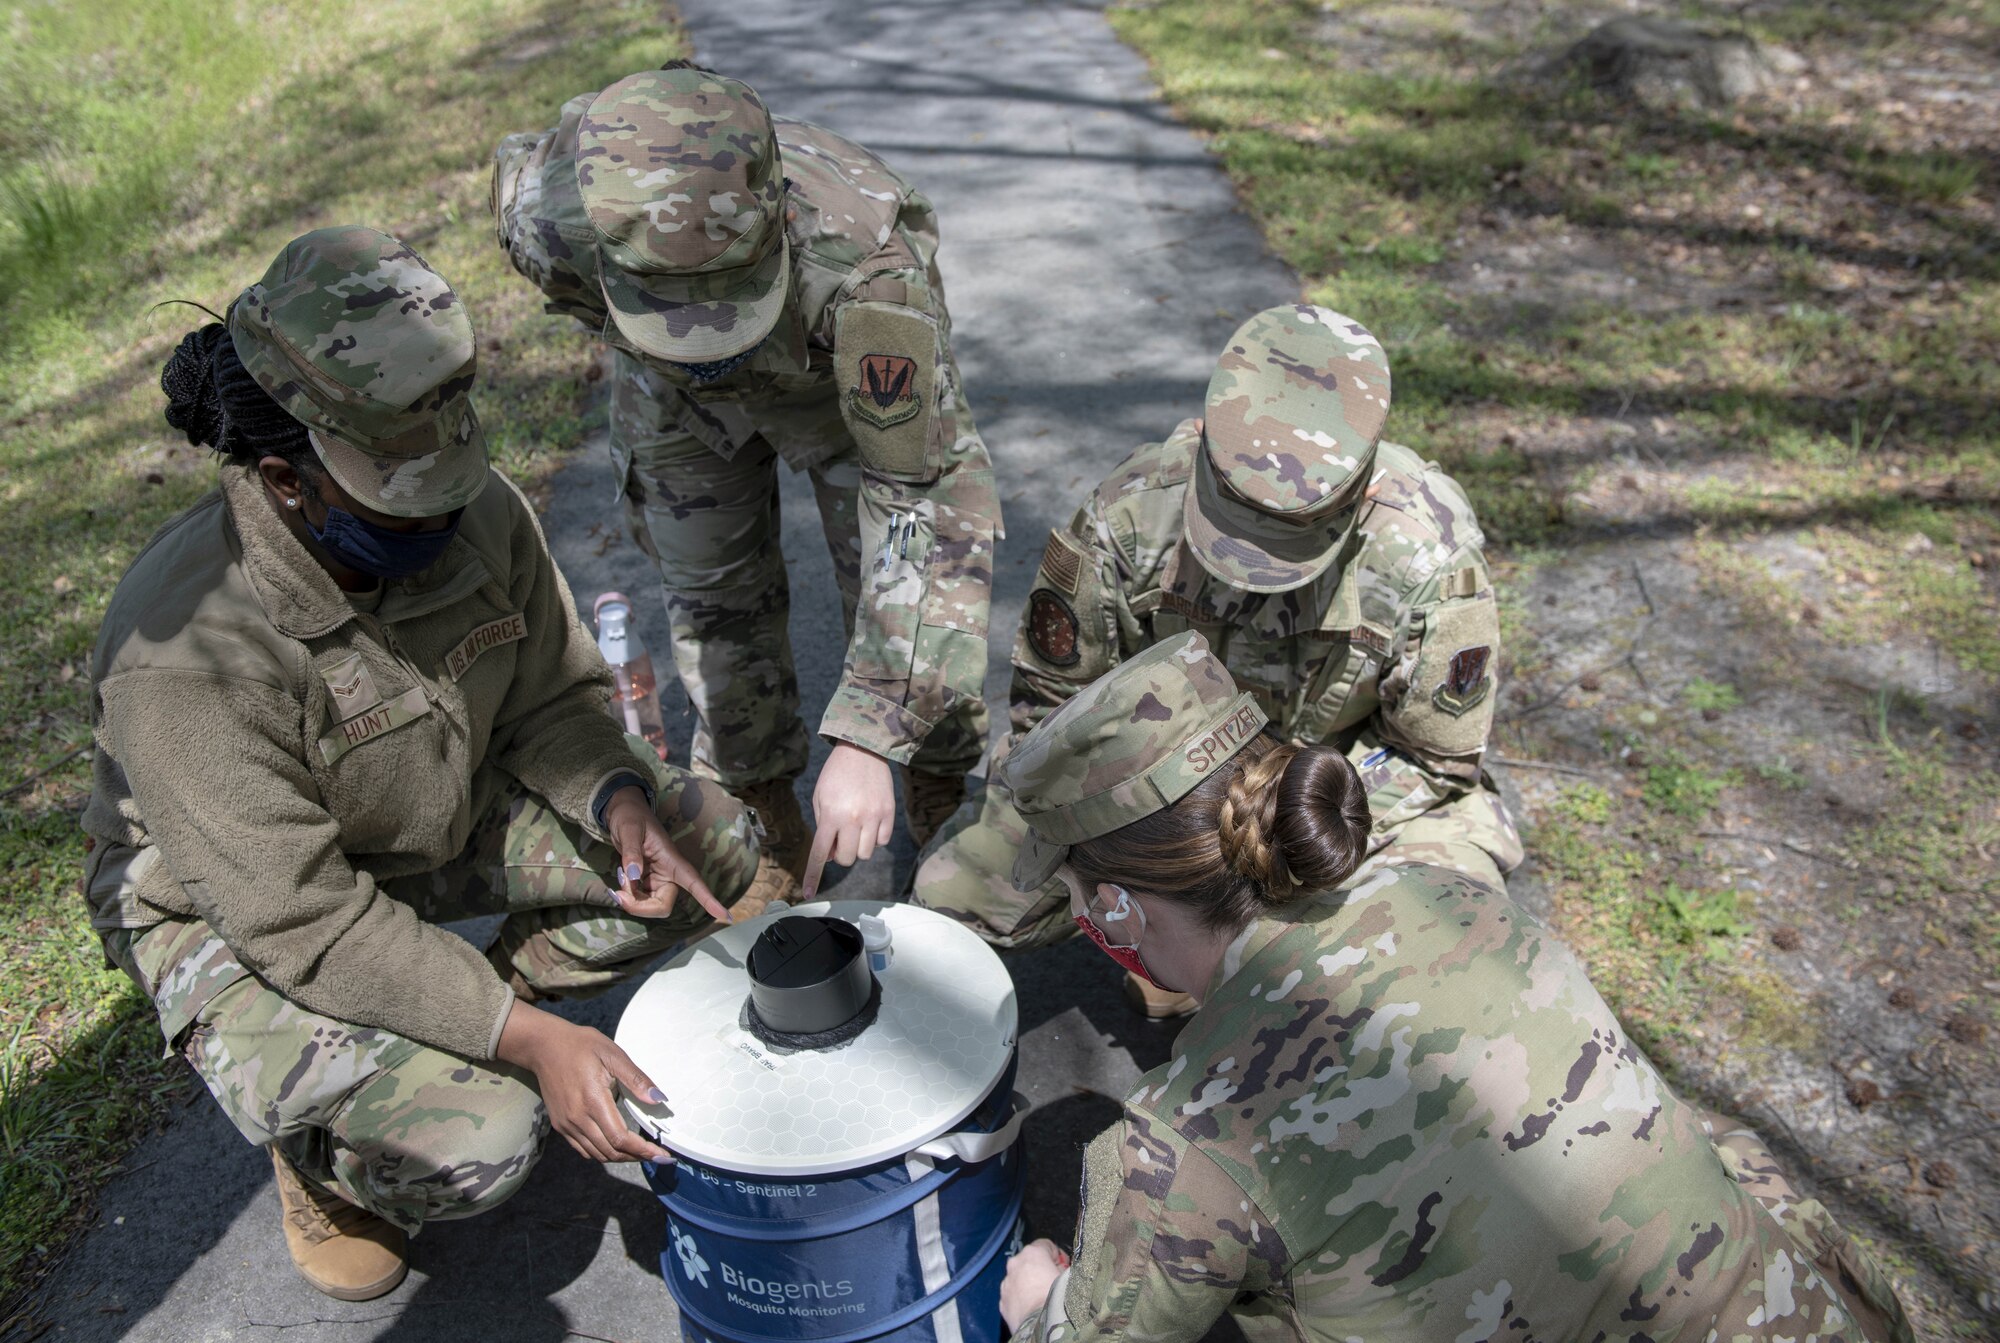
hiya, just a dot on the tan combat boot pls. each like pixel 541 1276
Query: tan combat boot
pixel 781 860
pixel 1156 1003
pixel 787 838
pixel 773 885
pixel 349 1254
pixel 929 801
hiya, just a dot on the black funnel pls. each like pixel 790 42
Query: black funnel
pixel 808 976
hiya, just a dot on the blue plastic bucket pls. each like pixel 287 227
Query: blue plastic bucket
pixel 909 1249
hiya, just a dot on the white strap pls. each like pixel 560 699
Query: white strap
pixel 979 1146
pixel 931 1257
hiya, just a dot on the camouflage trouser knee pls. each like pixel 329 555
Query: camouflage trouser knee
pixel 405 1130
pixel 1864 1287
pixel 565 935
pixel 710 524
pixel 411 1133
pixel 966 873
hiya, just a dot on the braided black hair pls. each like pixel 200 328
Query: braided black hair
pixel 213 399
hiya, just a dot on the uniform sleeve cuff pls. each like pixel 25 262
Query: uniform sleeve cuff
pixel 600 793
pixel 601 799
pixel 876 725
pixel 500 1024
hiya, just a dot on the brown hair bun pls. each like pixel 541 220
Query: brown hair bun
pixel 1278 823
pixel 1294 821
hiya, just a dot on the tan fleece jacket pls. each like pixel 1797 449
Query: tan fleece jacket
pixel 285 754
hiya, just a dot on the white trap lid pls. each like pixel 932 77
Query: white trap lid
pixel 942 1038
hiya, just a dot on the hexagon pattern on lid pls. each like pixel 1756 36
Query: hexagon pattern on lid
pixel 943 1037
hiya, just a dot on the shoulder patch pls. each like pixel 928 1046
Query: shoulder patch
pixel 885 360
pixel 1447 709
pixel 1062 562
pixel 1465 682
pixel 1053 631
pixel 887 393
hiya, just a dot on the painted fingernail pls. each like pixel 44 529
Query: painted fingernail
pixel 656 1096
pixel 633 871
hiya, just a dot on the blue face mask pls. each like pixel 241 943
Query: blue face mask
pixel 377 551
pixel 719 369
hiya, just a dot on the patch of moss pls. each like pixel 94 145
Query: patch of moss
pixel 1679 787
pixel 1705 920
pixel 1772 1011
pixel 1710 695
pixel 1584 803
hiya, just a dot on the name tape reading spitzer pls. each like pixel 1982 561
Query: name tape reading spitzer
pixel 1222 741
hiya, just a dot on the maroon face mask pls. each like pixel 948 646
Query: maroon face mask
pixel 1128 957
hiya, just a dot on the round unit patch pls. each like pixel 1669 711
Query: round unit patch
pixel 943 1036
pixel 1053 629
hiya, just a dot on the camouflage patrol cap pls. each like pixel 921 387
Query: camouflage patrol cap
pixel 1135 740
pixel 679 173
pixel 1294 411
pixel 367 346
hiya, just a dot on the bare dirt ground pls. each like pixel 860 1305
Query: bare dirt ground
pixel 1721 687
pixel 1850 1021
pixel 1721 383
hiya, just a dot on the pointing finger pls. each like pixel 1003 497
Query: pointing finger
pixel 816 862
pixel 681 872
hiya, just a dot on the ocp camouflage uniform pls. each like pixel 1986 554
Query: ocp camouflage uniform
pixel 293 785
pixel 1408 1115
pixel 411 1132
pixel 1363 654
pixel 854 385
pixel 1401 1112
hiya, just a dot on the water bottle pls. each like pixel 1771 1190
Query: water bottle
pixel 635 698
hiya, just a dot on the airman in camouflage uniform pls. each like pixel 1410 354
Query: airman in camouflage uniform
pixel 1339 578
pixel 1401 1113
pixel 771 292
pixel 410 1132
pixel 297 781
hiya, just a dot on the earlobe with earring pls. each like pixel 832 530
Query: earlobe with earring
pixel 291 503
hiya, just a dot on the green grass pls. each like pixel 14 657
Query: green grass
pixel 1768 338
pixel 1706 920
pixel 1681 788
pixel 1940 179
pixel 1710 696
pixel 1369 175
pixel 165 149
pixel 81 1074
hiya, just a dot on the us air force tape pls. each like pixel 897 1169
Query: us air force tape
pixel 885 360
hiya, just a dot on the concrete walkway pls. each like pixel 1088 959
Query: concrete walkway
pixel 1095 262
